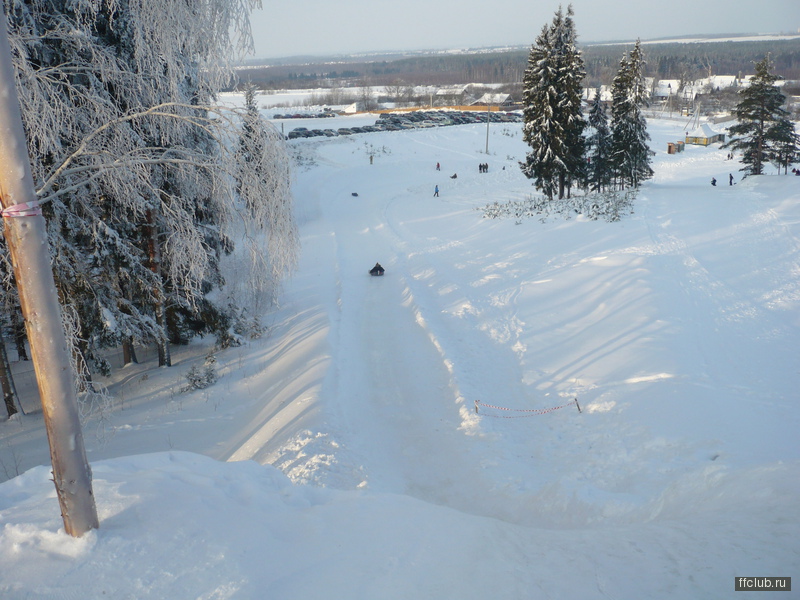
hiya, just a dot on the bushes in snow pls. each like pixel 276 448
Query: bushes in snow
pixel 201 377
pixel 609 206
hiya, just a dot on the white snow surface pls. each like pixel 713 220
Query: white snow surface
pixel 341 456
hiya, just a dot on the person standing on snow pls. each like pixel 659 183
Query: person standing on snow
pixel 730 178
pixel 436 191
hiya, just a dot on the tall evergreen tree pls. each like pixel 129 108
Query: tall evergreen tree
pixel 762 132
pixel 600 171
pixel 785 144
pixel 539 130
pixel 573 74
pixel 553 122
pixel 631 154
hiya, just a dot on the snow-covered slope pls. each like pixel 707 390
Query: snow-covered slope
pixel 676 330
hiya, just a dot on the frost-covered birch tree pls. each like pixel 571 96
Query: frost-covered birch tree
pixel 136 166
pixel 264 179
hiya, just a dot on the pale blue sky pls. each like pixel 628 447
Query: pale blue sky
pixel 348 26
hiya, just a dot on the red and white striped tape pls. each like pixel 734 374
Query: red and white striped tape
pixel 23 209
pixel 531 412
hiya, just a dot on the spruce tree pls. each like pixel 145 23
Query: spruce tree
pixel 631 154
pixel 599 145
pixel 539 130
pixel 574 72
pixel 553 122
pixel 762 132
pixel 785 144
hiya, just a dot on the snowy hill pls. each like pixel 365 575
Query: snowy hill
pixel 676 329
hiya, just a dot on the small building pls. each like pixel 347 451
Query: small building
pixel 587 96
pixel 454 94
pixel 704 135
pixel 674 147
pixel 664 89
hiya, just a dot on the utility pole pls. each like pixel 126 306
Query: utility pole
pixel 26 236
pixel 488 118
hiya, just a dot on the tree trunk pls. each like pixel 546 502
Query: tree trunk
pixel 5 381
pixel 154 249
pixel 26 236
pixel 129 352
pixel 19 336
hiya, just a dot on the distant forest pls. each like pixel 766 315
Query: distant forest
pixel 686 61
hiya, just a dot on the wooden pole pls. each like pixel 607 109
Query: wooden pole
pixel 26 236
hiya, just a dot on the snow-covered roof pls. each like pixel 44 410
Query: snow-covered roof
pixel 723 81
pixel 703 131
pixel 605 94
pixel 493 99
pixel 452 90
pixel 664 88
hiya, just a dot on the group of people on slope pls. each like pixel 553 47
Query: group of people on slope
pixel 730 180
pixel 482 168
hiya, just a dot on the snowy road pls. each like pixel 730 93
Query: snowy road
pixel 390 390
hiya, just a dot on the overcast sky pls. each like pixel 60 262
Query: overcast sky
pixel 350 26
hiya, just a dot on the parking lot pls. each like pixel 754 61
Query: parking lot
pixel 399 121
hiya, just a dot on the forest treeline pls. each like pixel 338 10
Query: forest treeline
pixel 687 61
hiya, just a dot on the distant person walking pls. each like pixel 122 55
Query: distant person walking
pixel 730 178
pixel 438 167
pixel 436 191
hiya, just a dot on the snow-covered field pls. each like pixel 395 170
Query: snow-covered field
pixel 675 329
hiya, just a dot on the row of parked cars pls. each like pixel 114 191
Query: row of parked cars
pixel 411 120
pixel 437 118
pixel 322 115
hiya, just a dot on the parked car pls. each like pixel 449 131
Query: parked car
pixel 299 132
